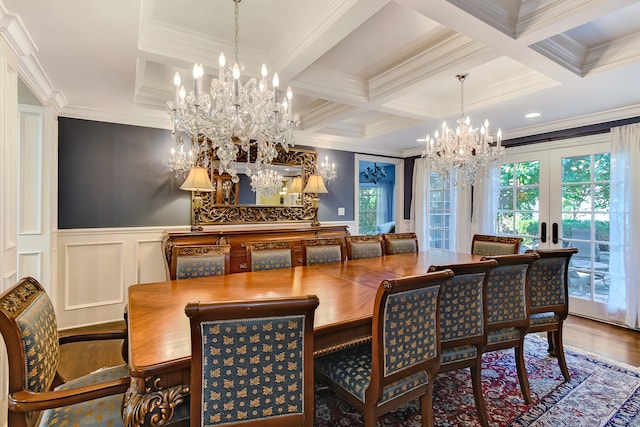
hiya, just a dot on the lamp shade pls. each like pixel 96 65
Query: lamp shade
pixel 198 180
pixel 296 185
pixel 315 185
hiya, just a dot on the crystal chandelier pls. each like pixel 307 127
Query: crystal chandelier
pixel 266 182
pixel 327 171
pixel 230 117
pixel 374 174
pixel 466 150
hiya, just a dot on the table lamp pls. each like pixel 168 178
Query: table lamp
pixel 296 188
pixel 315 185
pixel 197 181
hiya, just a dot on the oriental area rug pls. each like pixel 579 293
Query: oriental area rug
pixel 600 393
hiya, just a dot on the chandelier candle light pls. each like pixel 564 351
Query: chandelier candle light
pixel 466 150
pixel 327 171
pixel 229 117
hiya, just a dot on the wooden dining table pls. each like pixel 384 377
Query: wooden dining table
pixel 159 340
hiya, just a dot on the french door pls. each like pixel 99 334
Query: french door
pixel 556 195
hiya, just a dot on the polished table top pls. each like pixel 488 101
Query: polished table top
pixel 159 334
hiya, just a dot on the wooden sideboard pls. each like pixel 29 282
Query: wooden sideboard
pixel 237 239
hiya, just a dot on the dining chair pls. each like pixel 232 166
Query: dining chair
pixel 463 323
pixel 401 360
pixel 508 309
pixel 323 251
pixel 495 245
pixel 188 262
pixel 549 297
pixel 400 243
pixel 365 246
pixel 252 362
pixel 269 255
pixel 30 332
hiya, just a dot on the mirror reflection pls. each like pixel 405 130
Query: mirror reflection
pixel 278 185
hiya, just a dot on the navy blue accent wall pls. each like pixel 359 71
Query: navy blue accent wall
pixel 112 175
pixel 341 191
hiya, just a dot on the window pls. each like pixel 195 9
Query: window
pixel 440 212
pixel 519 203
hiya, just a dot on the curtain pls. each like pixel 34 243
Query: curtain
pixel 486 195
pixel 624 217
pixel 419 203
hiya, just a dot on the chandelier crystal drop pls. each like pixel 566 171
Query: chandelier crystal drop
pixel 232 116
pixel 180 161
pixel 266 182
pixel 327 170
pixel 465 150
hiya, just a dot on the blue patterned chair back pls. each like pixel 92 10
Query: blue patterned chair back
pixel 463 311
pixel 507 290
pixel 409 317
pixel 549 280
pixel 269 255
pixel 36 335
pixel 323 251
pixel 401 243
pixel 252 361
pixel 364 246
pixel 200 261
pixel 495 245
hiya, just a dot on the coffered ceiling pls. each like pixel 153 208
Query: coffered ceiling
pixel 368 75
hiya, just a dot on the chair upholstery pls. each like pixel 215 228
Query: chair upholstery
pixel 366 246
pixel 323 251
pixel 400 243
pixel 549 298
pixel 269 255
pixel 463 323
pixel 495 245
pixel 29 329
pixel 508 309
pixel 252 361
pixel 401 361
pixel 199 261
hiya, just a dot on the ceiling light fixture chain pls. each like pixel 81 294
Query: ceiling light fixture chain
pixel 231 116
pixel 459 155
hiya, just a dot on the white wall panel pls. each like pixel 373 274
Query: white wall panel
pixel 31 168
pixel 148 262
pixel 100 284
pixel 30 264
pixel 96 268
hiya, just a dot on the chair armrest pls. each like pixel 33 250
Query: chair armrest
pixel 115 334
pixel 26 401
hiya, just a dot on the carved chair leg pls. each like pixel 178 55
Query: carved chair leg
pixel 426 405
pixel 551 350
pixel 476 381
pixel 557 336
pixel 523 378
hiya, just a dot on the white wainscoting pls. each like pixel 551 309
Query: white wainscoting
pixel 97 266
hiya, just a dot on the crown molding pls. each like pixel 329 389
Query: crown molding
pixel 19 40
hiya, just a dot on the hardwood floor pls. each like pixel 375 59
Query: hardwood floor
pixel 605 340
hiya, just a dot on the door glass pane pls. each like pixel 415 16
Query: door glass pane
pixel 585 224
pixel 519 202
pixel 576 197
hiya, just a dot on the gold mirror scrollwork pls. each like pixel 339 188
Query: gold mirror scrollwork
pixel 212 213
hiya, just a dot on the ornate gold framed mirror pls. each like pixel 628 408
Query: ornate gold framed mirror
pixel 230 203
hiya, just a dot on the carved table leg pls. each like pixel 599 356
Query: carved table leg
pixel 155 406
